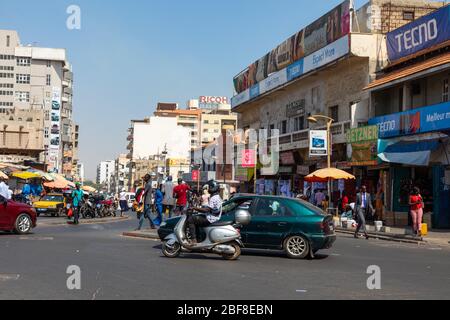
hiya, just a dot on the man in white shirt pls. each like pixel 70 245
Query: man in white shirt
pixel 4 190
pixel 123 202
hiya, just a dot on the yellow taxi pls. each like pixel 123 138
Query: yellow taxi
pixel 53 204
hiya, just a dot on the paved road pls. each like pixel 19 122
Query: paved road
pixel 114 267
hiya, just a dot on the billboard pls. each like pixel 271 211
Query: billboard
pixel 324 31
pixel 423 33
pixel 55 130
pixel 211 102
pixel 318 143
pixel 362 146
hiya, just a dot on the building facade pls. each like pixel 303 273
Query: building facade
pixel 105 173
pixel 35 87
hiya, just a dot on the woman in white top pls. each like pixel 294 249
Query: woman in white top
pixel 205 198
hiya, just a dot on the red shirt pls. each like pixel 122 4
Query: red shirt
pixel 180 192
pixel 344 202
pixel 416 199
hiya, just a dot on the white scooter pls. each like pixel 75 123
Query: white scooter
pixel 222 238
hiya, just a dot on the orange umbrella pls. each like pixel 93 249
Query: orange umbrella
pixel 324 175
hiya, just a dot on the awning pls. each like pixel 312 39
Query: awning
pixel 414 150
pixel 400 75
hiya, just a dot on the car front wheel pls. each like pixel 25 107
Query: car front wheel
pixel 296 247
pixel 23 224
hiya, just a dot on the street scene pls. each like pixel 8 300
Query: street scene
pixel 269 167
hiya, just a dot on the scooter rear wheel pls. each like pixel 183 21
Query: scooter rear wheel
pixel 171 251
pixel 235 255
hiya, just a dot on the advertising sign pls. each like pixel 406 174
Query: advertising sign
pixel 362 147
pixel 195 175
pixel 421 120
pixel 324 31
pixel 326 55
pixel 303 170
pixel 248 158
pixel 423 33
pixel 55 130
pixel 287 158
pixel 318 143
pixel 275 80
pixel 296 108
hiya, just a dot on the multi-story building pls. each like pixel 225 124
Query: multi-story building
pixel 410 104
pixel 121 174
pixel 35 102
pixel 321 70
pixel 79 173
pixel 105 172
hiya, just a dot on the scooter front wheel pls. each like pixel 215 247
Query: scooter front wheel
pixel 171 251
pixel 235 255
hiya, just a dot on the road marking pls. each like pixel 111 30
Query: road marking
pixel 435 249
pixel 9 277
pixel 37 238
pixel 94 296
pixel 301 291
pixel 335 255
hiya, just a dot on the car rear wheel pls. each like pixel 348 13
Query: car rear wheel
pixel 296 247
pixel 23 224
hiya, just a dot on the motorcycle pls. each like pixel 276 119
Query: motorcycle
pixel 88 209
pixel 221 238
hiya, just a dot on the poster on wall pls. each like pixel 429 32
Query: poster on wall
pixel 362 146
pixel 318 143
pixel 55 130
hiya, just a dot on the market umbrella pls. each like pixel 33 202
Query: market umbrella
pixel 44 175
pixel 59 182
pixel 88 189
pixel 324 175
pixel 25 175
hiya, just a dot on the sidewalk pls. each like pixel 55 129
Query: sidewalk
pixel 440 238
pixel 143 234
pixel 46 222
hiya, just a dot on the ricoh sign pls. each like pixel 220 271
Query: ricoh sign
pixel 421 34
pixel 213 100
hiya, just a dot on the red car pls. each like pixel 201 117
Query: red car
pixel 17 217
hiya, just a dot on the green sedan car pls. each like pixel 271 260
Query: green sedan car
pixel 295 226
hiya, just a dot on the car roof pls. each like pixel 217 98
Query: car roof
pixel 244 195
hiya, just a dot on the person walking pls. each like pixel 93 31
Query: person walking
pixel 147 202
pixel 319 198
pixel 168 201
pixel 362 207
pixel 180 193
pixel 77 197
pixel 416 205
pixel 5 192
pixel 123 202
pixel 159 196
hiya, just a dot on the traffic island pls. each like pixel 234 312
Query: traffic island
pixel 63 221
pixel 143 234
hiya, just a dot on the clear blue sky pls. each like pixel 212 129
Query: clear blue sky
pixel 129 55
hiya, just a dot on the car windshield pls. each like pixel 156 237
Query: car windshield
pixel 53 198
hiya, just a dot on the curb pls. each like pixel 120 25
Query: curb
pixel 84 222
pixel 152 236
pixel 394 238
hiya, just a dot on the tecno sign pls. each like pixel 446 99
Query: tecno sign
pixel 417 36
pixel 428 31
pixel 216 100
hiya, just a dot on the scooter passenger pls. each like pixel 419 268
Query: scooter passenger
pixel 208 215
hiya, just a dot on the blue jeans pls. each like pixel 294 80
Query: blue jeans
pixel 146 215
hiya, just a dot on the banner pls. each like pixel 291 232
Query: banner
pixel 421 120
pixel 248 158
pixel 326 55
pixel 423 33
pixel 318 143
pixel 55 131
pixel 324 31
pixel 362 146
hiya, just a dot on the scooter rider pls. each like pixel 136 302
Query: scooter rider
pixel 210 214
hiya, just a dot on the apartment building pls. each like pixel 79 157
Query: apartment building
pixel 105 172
pixel 121 174
pixel 35 103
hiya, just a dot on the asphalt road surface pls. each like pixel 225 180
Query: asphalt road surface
pixel 115 267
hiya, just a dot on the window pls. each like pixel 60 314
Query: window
pixel 8 41
pixel 22 96
pixel 216 130
pixel 6 104
pixel 6 93
pixel 205 130
pixel 47 115
pixel 229 208
pixel 49 63
pixel 46 135
pixel 6 75
pixel 271 208
pixel 216 122
pixel 408 15
pixel 315 96
pixel 6 85
pixel 334 113
pixel 23 62
pixel 284 127
pixel 445 91
pixel 49 80
pixel 206 122
pixel 299 124
pixel 6 68
pixel 23 78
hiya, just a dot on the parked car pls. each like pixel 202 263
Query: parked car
pixel 292 225
pixel 53 204
pixel 17 217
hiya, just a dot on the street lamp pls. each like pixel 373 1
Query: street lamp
pixel 315 119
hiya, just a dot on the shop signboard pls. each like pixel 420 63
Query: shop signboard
pixel 55 133
pixel 248 158
pixel 421 120
pixel 326 55
pixel 423 33
pixel 287 158
pixel 295 70
pixel 254 91
pixel 195 175
pixel 318 143
pixel 274 80
pixel 303 170
pixel 327 29
pixel 362 146
pixel 296 108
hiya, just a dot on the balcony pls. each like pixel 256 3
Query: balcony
pixel 65 99
pixel 130 137
pixel 65 84
pixel 68 91
pixel 130 146
pixel 300 139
